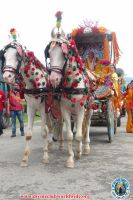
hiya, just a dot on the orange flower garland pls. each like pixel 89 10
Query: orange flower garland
pixel 102 29
pixel 106 48
pixel 116 48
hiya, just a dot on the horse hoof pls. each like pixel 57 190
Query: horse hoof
pixel 54 139
pixel 69 164
pixel 45 161
pixel 61 148
pixel 23 164
pixel 86 151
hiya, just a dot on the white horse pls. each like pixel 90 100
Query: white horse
pixel 66 72
pixel 32 77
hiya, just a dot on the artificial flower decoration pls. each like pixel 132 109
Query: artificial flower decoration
pixel 13 34
pixel 102 29
pixel 74 32
pixel 104 62
pixel 87 27
pixel 34 70
pixel 58 15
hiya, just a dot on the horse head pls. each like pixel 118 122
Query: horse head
pixel 12 60
pixel 22 66
pixel 57 62
pixel 65 63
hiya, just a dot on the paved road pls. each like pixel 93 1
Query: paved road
pixel 92 174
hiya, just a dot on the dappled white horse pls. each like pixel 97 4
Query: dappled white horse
pixel 66 72
pixel 32 77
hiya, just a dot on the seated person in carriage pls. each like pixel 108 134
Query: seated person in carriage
pixel 90 61
pixel 100 69
pixel 106 80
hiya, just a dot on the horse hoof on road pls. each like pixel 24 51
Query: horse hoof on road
pixel 23 164
pixel 70 164
pixel 45 161
pixel 86 151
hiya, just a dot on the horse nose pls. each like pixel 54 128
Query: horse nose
pixel 6 77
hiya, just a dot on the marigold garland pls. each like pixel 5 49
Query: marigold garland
pixel 116 48
pixel 106 48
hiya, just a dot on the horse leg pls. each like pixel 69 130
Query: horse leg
pixel 31 114
pixel 59 129
pixel 86 131
pixel 50 127
pixel 61 136
pixel 78 136
pixel 67 119
pixel 45 134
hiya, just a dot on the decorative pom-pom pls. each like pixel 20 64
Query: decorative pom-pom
pixel 13 34
pixel 58 16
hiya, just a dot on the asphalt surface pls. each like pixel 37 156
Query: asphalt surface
pixel 92 175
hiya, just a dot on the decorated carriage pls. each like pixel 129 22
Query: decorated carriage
pixel 100 53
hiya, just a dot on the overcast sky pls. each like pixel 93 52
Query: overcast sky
pixel 34 20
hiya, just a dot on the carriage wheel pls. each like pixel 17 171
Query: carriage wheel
pixel 5 121
pixel 110 120
pixel 119 121
pixel 115 122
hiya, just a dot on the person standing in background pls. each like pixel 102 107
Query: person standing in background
pixel 129 107
pixel 16 109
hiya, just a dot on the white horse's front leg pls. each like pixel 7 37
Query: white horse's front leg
pixel 86 128
pixel 50 128
pixel 31 115
pixel 70 160
pixel 45 134
pixel 78 136
pixel 61 136
pixel 67 119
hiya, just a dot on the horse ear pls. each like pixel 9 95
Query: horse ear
pixel 2 58
pixel 64 48
pixel 19 50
